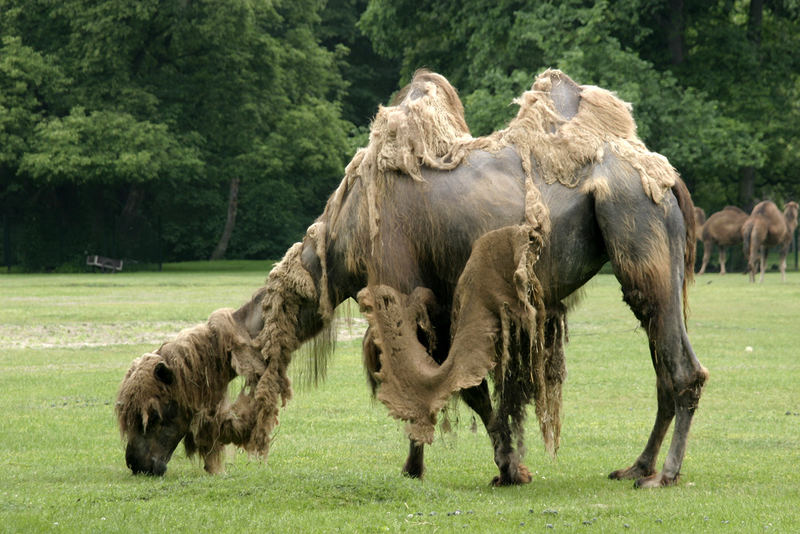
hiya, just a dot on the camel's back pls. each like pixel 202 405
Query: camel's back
pixel 725 227
pixel 767 220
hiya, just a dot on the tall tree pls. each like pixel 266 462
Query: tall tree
pixel 170 108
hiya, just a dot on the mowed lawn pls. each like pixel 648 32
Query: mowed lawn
pixel 67 340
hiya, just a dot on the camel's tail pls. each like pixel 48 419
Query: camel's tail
pixel 687 209
pixel 751 243
pixel 747 231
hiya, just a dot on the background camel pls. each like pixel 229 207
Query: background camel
pixel 723 229
pixel 768 227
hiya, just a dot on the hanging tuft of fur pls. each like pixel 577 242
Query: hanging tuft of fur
pixel 498 323
pixel 419 129
pixel 556 146
pixel 289 290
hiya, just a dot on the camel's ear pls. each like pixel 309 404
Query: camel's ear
pixel 164 373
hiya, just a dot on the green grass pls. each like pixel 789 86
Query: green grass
pixel 67 340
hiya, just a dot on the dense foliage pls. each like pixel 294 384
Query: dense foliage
pixel 185 129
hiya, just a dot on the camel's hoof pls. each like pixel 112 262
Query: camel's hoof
pixel 523 476
pixel 633 472
pixel 413 472
pixel 657 480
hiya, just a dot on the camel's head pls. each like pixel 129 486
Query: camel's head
pixel 790 211
pixel 150 416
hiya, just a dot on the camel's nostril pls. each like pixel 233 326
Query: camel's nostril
pixel 159 468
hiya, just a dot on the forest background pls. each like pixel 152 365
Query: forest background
pixel 175 130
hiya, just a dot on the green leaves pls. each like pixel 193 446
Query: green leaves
pixel 155 106
pixel 27 81
pixel 107 146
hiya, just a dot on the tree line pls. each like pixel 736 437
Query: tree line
pixel 170 130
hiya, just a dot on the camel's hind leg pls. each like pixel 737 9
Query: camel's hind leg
pixel 646 243
pixel 415 463
pixel 722 258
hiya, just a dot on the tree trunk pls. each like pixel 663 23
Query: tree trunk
pixel 233 204
pixel 747 175
pixel 754 20
pixel 747 178
pixel 130 211
pixel 675 32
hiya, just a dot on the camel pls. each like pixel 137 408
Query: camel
pixel 767 227
pixel 723 229
pixel 466 255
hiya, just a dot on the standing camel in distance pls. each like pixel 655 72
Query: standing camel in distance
pixel 723 228
pixel 767 227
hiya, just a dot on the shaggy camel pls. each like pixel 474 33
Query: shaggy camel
pixel 768 227
pixel 723 229
pixel 466 254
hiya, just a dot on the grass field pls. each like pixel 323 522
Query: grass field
pixel 67 340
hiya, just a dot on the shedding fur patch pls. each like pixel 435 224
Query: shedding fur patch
pixel 289 290
pixel 498 322
pixel 557 147
pixel 419 130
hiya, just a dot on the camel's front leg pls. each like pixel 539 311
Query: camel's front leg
pixel 706 256
pixel 784 253
pixel 645 464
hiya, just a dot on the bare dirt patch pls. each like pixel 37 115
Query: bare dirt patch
pixel 83 335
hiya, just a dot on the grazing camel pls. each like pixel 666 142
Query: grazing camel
pixel 463 253
pixel 768 227
pixel 723 228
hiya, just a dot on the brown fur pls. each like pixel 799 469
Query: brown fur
pixel 723 229
pixel 406 135
pixel 557 148
pixel 203 359
pixel 492 304
pixel 498 323
pixel 422 126
pixel 290 290
pixel 767 227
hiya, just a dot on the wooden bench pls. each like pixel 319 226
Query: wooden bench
pixel 106 264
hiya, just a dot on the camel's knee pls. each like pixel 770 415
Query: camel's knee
pixel 689 387
pixel 642 304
